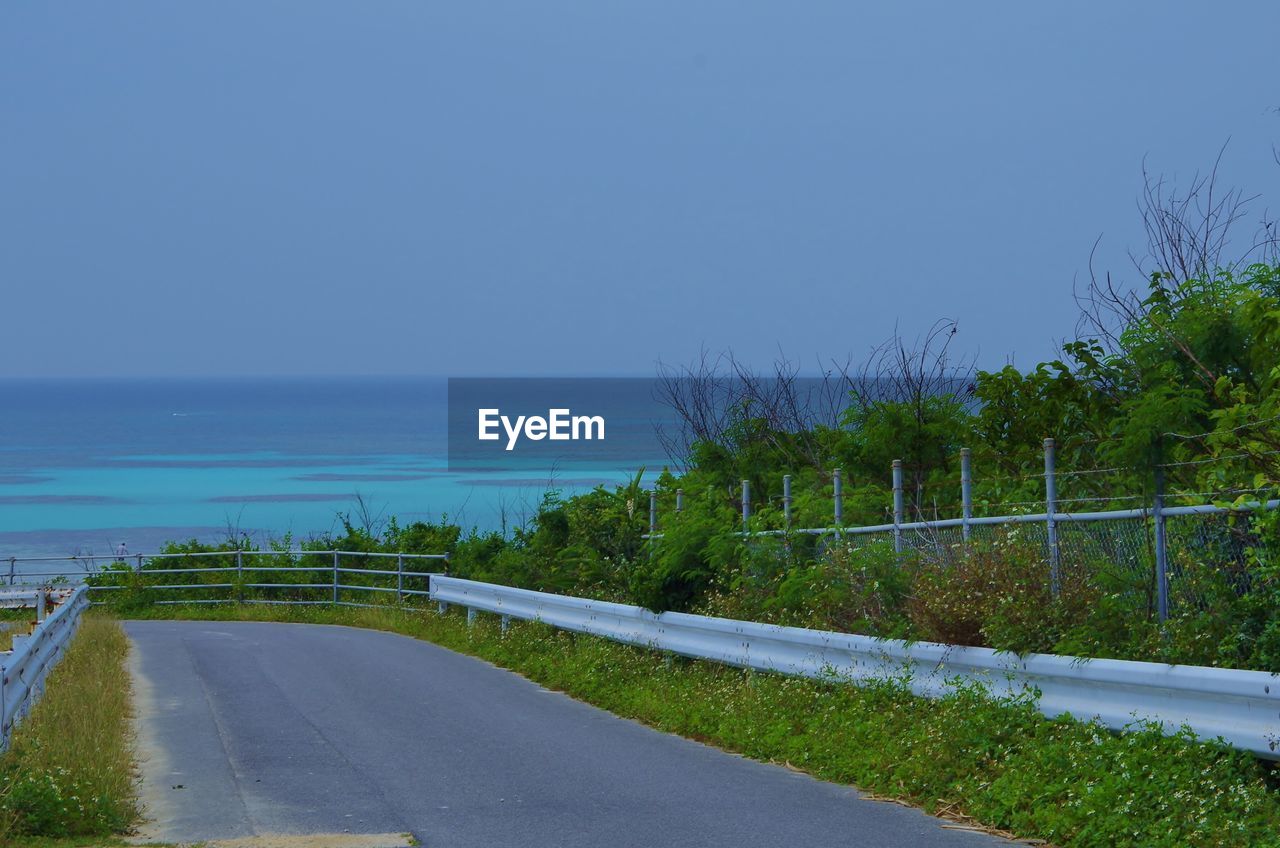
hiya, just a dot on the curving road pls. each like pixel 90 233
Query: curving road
pixel 251 728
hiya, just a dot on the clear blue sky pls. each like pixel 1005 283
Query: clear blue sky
pixel 469 187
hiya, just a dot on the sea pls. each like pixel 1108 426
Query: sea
pixel 86 465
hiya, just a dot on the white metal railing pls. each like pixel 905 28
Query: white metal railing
pixel 143 568
pixel 1240 707
pixel 23 669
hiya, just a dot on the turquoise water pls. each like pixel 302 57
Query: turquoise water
pixel 85 465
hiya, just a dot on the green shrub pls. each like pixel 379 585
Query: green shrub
pixel 677 573
pixel 850 588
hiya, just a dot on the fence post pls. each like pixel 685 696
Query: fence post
pixel 335 577
pixel 1162 552
pixel 746 506
pixel 966 493
pixel 399 578
pixel 653 511
pixel 139 563
pixel 897 506
pixel 837 492
pixel 786 500
pixel 679 500
pixel 13 561
pixel 1050 509
pixel 240 576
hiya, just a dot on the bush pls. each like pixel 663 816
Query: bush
pixel 998 594
pixel 677 573
pixel 850 588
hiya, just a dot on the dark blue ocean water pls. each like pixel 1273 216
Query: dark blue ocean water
pixel 86 464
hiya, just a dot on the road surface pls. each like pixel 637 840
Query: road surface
pixel 251 728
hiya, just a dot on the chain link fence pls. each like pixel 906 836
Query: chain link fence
pixel 1157 559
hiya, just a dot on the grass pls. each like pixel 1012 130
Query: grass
pixel 69 771
pixel 1000 764
pixel 14 621
pixel 74 842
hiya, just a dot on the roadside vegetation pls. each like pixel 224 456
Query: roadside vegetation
pixel 1172 381
pixel 1183 381
pixel 1000 765
pixel 69 771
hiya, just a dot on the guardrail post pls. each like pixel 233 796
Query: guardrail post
pixel 1162 552
pixel 505 622
pixel 471 616
pixel 679 500
pixel 1050 509
pixel 442 607
pixel 897 506
pixel 400 578
pixel 335 577
pixel 786 500
pixel 13 562
pixel 40 601
pixel 746 507
pixel 966 493
pixel 653 511
pixel 240 576
pixel 837 491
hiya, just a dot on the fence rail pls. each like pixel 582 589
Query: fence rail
pixel 329 578
pixel 241 562
pixel 24 668
pixel 1240 707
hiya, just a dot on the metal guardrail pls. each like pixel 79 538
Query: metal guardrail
pixel 23 669
pixel 23 598
pixel 1240 707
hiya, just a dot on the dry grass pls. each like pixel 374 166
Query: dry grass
pixel 70 768
pixel 14 621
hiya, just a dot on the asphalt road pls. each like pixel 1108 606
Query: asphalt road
pixel 252 728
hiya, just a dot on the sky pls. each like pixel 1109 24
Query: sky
pixel 464 187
